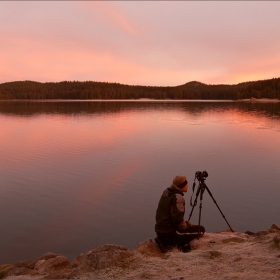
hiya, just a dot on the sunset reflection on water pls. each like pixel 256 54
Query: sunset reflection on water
pixel 77 174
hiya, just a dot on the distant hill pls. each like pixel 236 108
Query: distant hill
pixel 100 90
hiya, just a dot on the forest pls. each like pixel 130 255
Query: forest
pixel 103 90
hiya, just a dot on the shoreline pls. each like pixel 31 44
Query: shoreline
pixel 252 99
pixel 222 255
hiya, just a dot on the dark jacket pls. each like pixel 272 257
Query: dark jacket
pixel 170 211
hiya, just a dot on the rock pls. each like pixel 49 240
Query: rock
pixel 250 233
pixel 31 264
pixel 59 274
pixel 51 264
pixel 209 239
pixel 38 263
pixel 15 271
pixel 262 232
pixel 47 256
pixel 274 226
pixel 276 240
pixel 40 266
pixel 22 268
pixel 4 269
pixel 149 248
pixel 102 257
pixel 26 264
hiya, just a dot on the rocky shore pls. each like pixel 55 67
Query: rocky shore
pixel 223 255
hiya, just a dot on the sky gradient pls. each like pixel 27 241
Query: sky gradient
pixel 156 43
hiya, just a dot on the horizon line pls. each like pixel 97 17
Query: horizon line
pixel 91 81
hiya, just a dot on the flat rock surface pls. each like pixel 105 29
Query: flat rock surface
pixel 224 255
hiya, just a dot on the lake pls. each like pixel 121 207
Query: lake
pixel 76 174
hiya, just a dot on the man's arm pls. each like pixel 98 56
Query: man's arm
pixel 178 211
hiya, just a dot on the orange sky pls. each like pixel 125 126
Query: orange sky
pixel 161 43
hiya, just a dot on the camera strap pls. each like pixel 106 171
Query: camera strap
pixel 193 187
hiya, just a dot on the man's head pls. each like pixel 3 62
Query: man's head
pixel 181 183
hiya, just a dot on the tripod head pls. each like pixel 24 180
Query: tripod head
pixel 201 176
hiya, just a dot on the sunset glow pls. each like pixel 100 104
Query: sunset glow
pixel 156 43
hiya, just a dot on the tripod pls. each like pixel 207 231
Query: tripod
pixel 201 188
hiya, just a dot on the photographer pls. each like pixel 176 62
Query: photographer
pixel 171 228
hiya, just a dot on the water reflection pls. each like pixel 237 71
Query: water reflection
pixel 30 108
pixel 75 174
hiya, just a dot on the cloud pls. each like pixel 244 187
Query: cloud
pixel 148 43
pixel 114 16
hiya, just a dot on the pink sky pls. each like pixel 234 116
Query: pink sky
pixel 155 43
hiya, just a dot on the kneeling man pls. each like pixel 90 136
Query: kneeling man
pixel 171 228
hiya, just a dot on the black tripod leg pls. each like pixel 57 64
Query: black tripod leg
pixel 218 207
pixel 200 208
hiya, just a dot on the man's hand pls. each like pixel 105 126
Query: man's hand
pixel 189 224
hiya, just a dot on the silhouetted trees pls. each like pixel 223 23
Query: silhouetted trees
pixel 97 90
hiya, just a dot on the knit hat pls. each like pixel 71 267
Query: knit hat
pixel 180 181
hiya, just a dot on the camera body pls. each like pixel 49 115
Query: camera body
pixel 201 176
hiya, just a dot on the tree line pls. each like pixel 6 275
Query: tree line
pixel 102 90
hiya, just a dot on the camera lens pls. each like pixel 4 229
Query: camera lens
pixel 205 174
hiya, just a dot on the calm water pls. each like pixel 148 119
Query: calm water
pixel 78 174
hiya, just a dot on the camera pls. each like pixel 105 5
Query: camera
pixel 201 176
